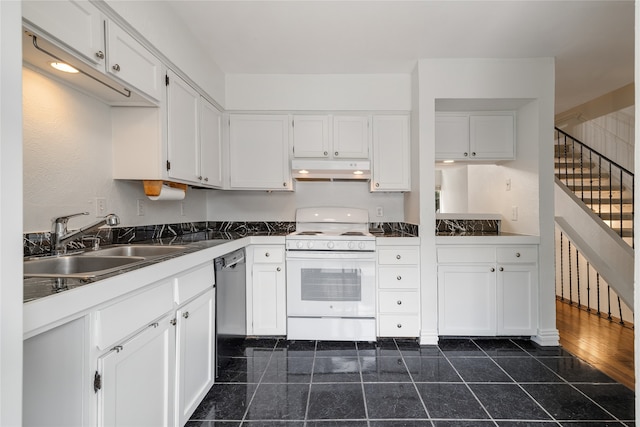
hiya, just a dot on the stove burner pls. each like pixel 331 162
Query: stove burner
pixel 309 233
pixel 352 233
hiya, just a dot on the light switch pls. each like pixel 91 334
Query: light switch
pixel 514 213
pixel 508 184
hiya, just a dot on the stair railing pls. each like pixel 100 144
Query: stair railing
pixel 575 286
pixel 582 166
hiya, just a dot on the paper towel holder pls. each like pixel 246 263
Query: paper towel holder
pixel 153 187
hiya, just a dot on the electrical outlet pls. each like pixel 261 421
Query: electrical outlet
pixel 140 207
pixel 182 209
pixel 379 211
pixel 514 213
pixel 508 184
pixel 101 206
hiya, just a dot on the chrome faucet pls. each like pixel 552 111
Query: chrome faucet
pixel 60 236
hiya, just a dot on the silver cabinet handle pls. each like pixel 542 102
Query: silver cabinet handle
pixel 173 321
pixel 284 184
pixel 398 277
pixel 473 154
pixel 185 314
pixel 501 269
pixel 377 184
pixel 278 269
pixel 466 154
pixel 267 254
pixel 493 269
pixel 206 179
pixel 117 348
pixel 335 154
pixel 100 54
pixel 517 254
pixel 398 256
pixel 200 178
pixel 399 302
pixel 116 67
pixel 399 325
pixel 326 153
pixel 154 325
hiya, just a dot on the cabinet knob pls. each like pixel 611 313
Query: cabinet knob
pixel 398 256
pixel 100 54
pixel 200 178
pixel 185 314
pixel 398 277
pixel 267 254
pixel 335 154
pixel 493 269
pixel 284 184
pixel 173 321
pixel 399 302
pixel 116 67
pixel 517 254
pixel 117 348
pixel 399 325
pixel 326 153
pixel 466 154
pixel 377 184
pixel 473 154
pixel 278 269
pixel 206 179
pixel 501 269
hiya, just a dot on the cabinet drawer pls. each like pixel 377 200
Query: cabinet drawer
pixel 462 254
pixel 193 282
pixel 398 277
pixel 399 256
pixel 115 322
pixel 398 302
pixel 396 325
pixel 518 254
pixel 268 254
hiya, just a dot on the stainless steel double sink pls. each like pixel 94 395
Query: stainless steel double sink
pixel 90 264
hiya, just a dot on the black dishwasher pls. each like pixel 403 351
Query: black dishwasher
pixel 231 311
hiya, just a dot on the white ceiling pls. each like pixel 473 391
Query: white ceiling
pixel 592 41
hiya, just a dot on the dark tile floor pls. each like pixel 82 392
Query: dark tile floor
pixel 396 383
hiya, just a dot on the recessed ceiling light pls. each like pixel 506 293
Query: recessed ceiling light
pixel 61 66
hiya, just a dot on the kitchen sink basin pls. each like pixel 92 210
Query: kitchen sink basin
pixel 74 266
pixel 145 251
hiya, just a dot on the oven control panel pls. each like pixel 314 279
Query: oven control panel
pixel 330 245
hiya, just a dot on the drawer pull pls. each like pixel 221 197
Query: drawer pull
pixel 278 269
pixel 267 254
pixel 399 325
pixel 116 67
pixel 398 277
pixel 399 302
pixel 117 348
pixel 398 256
pixel 493 269
pixel 517 254
pixel 185 314
pixel 501 269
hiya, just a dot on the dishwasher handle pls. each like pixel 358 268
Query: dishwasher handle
pixel 229 260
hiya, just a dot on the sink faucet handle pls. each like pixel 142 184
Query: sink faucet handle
pixel 60 223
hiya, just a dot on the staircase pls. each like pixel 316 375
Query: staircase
pixel 602 185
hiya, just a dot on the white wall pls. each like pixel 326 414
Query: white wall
pixel 67 162
pixel 156 23
pixel 281 206
pixel 527 79
pixel 11 215
pixel 316 92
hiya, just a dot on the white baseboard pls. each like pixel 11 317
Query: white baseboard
pixel 429 338
pixel 547 337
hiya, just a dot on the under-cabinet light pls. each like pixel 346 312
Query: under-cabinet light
pixel 303 171
pixel 61 66
pixel 358 172
pixel 448 161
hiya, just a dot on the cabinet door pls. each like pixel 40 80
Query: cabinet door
pixel 182 128
pixel 132 63
pixel 310 136
pixel 210 145
pixel 517 299
pixel 269 299
pixel 77 24
pixel 196 354
pixel 391 165
pixel 137 379
pixel 467 300
pixel 351 137
pixel 492 136
pixel 452 136
pixel 259 152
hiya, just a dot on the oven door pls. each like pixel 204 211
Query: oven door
pixel 330 284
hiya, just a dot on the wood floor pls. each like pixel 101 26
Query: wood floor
pixel 606 345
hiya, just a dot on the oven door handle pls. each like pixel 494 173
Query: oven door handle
pixel 299 255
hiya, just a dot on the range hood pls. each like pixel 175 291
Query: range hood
pixel 38 53
pixel 331 170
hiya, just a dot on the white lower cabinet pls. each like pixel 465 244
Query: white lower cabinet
pixel 398 278
pixel 135 379
pixel 487 290
pixel 266 291
pixel 195 353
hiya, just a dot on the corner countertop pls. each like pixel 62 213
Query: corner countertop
pixel 480 238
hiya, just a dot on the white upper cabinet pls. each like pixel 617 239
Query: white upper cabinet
pixel 475 136
pixel 327 136
pixel 311 136
pixel 77 24
pixel 210 145
pixel 182 128
pixel 391 151
pixel 259 152
pixel 131 62
pixel 351 137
